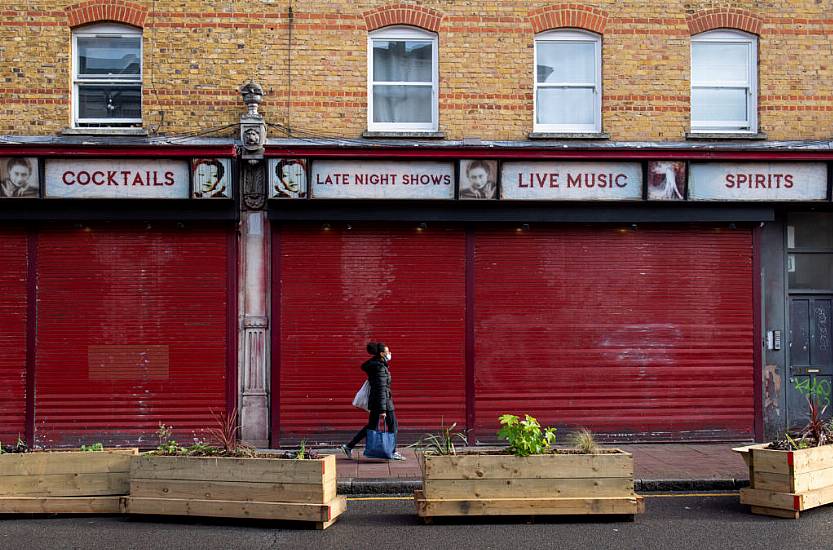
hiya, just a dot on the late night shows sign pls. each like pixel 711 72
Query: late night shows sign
pixel 571 181
pixel 381 180
pixel 748 181
pixel 117 179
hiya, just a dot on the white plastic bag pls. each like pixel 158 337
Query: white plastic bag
pixel 360 401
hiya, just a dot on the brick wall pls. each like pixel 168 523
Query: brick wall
pixel 197 53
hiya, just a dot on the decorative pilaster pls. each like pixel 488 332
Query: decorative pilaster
pixel 254 276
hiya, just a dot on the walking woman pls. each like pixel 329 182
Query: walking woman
pixel 379 401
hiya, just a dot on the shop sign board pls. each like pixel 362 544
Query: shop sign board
pixel 751 181
pixel 348 179
pixel 116 179
pixel 571 181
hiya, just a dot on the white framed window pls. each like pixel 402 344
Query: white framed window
pixel 402 80
pixel 724 82
pixel 106 76
pixel 568 82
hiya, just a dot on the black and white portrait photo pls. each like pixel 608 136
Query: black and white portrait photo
pixel 666 180
pixel 211 178
pixel 478 179
pixel 287 178
pixel 18 178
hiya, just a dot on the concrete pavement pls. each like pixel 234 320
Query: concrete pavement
pixel 658 467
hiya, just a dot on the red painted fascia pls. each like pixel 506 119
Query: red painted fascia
pixel 448 153
pixel 100 151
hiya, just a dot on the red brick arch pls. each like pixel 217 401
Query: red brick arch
pixel 724 18
pixel 100 11
pixel 403 14
pixel 576 16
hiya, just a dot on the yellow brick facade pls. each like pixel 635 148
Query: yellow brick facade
pixel 197 53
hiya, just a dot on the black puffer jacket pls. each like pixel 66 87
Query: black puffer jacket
pixel 379 377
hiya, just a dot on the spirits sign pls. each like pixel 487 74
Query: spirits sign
pixel 748 181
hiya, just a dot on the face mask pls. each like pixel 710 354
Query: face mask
pixel 388 357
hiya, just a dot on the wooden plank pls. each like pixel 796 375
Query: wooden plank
pixel 499 466
pixel 817 497
pixel 232 490
pixel 812 480
pixel 64 485
pixel 267 470
pixel 59 505
pixel 815 458
pixel 779 483
pixel 774 512
pixel 521 488
pixel 770 499
pixel 290 511
pixel 65 462
pixel 770 461
pixel 746 454
pixel 527 506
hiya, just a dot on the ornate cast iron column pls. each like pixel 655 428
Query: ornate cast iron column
pixel 254 275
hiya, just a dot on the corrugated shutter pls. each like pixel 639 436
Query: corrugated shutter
pixel 639 334
pixel 13 268
pixel 132 331
pixel 337 289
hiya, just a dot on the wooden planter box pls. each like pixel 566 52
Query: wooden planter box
pixel 783 483
pixel 255 488
pixel 68 482
pixel 552 484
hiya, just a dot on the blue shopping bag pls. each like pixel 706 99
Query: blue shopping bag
pixel 380 444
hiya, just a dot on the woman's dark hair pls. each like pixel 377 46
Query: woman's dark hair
pixel 483 165
pixel 376 348
pixel 221 171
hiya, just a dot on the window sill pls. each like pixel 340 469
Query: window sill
pixel 403 135
pixel 569 135
pixel 725 135
pixel 104 132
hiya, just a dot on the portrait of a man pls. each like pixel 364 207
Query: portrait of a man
pixel 478 179
pixel 211 178
pixel 18 178
pixel 288 179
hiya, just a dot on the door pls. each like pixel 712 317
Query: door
pixel 810 356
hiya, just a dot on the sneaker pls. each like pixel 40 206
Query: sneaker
pixel 397 456
pixel 348 451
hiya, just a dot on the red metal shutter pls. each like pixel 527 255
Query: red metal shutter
pixel 639 334
pixel 132 331
pixel 339 288
pixel 13 268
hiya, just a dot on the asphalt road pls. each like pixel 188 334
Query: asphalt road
pixel 670 521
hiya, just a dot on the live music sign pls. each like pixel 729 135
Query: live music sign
pixel 571 181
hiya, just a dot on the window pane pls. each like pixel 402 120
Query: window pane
pixel 810 230
pixel 719 62
pixel 718 104
pixel 110 102
pixel 402 104
pixel 109 56
pixel 566 62
pixel 402 61
pixel 810 271
pixel 566 106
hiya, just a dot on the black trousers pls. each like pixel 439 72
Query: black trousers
pixel 373 423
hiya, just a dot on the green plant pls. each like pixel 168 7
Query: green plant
pixel 816 432
pixel 302 447
pixel 95 447
pixel 441 443
pixel 19 447
pixel 525 437
pixel 584 441
pixel 167 446
pixel 200 448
